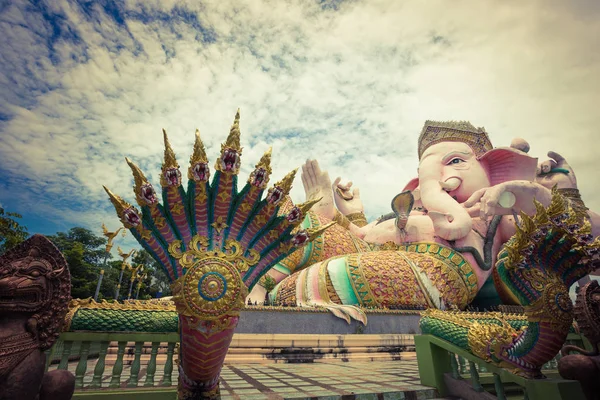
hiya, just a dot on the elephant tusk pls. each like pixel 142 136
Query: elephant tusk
pixel 416 194
pixel 450 184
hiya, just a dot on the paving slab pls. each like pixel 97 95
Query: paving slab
pixel 353 380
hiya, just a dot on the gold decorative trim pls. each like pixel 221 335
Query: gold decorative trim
pixel 341 220
pixel 127 305
pixel 316 246
pixel 358 281
pixel 357 219
pixel 198 250
pixel 454 131
pixel 575 200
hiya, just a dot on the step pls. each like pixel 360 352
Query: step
pixel 278 357
pixel 253 348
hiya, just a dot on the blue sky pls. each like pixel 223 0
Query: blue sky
pixel 84 84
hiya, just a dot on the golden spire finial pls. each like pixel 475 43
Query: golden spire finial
pixel 233 140
pixel 138 175
pixel 307 205
pixel 140 180
pixel 286 183
pixel 265 161
pixel 199 154
pixel 170 160
pixel 120 204
pixel 260 178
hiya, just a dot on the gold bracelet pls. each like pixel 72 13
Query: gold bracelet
pixel 341 220
pixel 357 219
pixel 575 199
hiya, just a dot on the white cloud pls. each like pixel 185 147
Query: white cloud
pixel 350 88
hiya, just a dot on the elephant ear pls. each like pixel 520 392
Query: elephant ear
pixel 411 185
pixel 508 164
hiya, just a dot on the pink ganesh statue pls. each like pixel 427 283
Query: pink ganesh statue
pixel 439 246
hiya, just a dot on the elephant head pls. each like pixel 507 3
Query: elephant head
pixel 455 160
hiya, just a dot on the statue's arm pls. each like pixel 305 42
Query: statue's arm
pixel 361 231
pixel 511 198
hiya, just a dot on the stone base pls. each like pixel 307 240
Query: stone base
pixel 276 320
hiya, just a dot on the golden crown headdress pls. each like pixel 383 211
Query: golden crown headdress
pixel 454 131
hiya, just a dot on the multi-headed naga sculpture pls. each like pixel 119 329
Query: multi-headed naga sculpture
pixel 215 243
pixel 550 252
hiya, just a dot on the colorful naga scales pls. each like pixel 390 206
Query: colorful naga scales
pixel 214 243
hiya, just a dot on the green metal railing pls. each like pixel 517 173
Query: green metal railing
pixel 90 349
pixel 444 366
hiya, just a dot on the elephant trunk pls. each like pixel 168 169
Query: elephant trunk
pixel 451 221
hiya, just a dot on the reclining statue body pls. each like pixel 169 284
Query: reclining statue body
pixel 439 246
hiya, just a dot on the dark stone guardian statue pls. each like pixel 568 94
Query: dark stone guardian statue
pixel 35 287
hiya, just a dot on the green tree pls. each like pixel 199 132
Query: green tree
pixel 85 254
pixel 112 269
pixel 156 280
pixel 11 232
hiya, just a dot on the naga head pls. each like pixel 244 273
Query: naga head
pixel 300 238
pixel 170 175
pixel 129 216
pixel 35 282
pixel 144 191
pixel 229 161
pixel 260 176
pixel 148 194
pixel 304 236
pixel 298 212
pixel 199 170
pixel 281 189
pixel 504 346
pixel 294 215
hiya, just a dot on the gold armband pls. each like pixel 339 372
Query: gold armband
pixel 357 219
pixel 341 220
pixel 575 199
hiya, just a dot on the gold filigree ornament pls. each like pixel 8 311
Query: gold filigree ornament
pixel 553 307
pixel 486 339
pixel 210 289
pixel 212 285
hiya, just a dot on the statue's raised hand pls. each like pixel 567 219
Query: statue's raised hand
pixel 556 171
pixel 317 184
pixel 346 200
